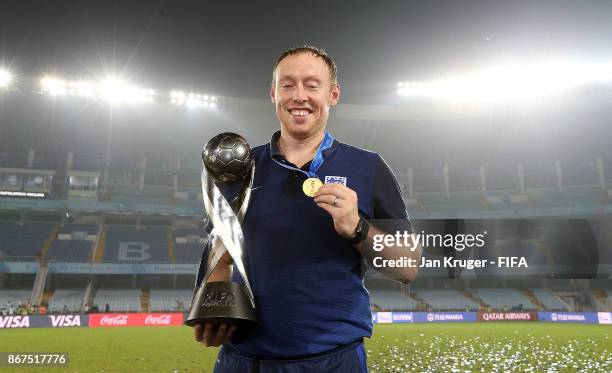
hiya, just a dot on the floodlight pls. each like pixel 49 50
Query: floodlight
pixel 5 78
pixel 81 88
pixel 115 90
pixel 512 81
pixel 53 86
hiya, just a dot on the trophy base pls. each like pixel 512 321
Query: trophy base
pixel 221 302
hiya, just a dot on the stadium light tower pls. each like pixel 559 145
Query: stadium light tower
pixel 53 86
pixel 517 81
pixel 115 90
pixel 193 100
pixel 5 78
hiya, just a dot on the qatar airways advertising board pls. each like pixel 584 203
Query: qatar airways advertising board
pixel 507 316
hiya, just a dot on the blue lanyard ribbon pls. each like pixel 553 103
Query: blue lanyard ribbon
pixel 317 161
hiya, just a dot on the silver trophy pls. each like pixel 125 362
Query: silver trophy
pixel 227 157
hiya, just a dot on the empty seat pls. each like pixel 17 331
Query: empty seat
pixel 70 250
pixel 21 246
pixel 118 300
pixel 392 300
pixel 188 252
pixel 503 298
pixel 549 300
pixel 170 299
pixel 447 299
pixel 72 299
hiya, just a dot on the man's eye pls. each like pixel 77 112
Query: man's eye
pixel 287 86
pixel 313 86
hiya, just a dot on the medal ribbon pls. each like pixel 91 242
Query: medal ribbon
pixel 317 161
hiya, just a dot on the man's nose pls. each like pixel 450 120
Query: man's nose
pixel 299 94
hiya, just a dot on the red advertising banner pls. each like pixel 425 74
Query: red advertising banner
pixel 97 320
pixel 507 316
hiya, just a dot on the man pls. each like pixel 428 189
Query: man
pixel 307 244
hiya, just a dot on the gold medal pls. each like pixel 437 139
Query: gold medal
pixel 311 185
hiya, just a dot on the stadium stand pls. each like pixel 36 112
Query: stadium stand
pixel 88 162
pixel 584 194
pixel 14 296
pixel 24 240
pixel 123 300
pixel 549 300
pixel 128 244
pixel 446 299
pixel 133 194
pixel 46 161
pixel 392 300
pixel 71 228
pixel 188 252
pixel 184 232
pixel 170 299
pixel 503 299
pixel 73 243
pixel 29 230
pixel 70 298
pixel 21 246
pixel 458 201
pixel 70 250
pixel 188 196
pixel 607 299
pixel 11 159
pixel 189 245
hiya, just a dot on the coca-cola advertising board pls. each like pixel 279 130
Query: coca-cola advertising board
pixel 134 319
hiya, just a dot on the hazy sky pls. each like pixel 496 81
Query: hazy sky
pixel 228 47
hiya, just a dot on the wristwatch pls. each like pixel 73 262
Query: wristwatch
pixel 361 232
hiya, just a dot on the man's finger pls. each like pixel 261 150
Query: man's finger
pixel 208 333
pixel 229 333
pixel 334 188
pixel 326 198
pixel 198 332
pixel 329 199
pixel 329 189
pixel 220 334
pixel 337 190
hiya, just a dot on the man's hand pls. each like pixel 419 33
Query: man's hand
pixel 341 203
pixel 210 335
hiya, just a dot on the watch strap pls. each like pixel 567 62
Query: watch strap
pixel 361 231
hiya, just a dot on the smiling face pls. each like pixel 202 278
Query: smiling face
pixel 302 93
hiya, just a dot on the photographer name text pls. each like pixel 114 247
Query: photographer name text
pixel 449 262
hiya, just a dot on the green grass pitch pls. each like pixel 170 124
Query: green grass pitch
pixel 486 347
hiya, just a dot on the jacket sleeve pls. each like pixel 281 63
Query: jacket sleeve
pixel 388 201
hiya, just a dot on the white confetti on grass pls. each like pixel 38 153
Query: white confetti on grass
pixel 444 353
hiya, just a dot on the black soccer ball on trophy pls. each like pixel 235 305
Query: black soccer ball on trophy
pixel 227 157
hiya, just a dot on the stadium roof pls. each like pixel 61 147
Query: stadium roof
pixel 228 47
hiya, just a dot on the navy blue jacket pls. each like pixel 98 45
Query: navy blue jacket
pixel 308 280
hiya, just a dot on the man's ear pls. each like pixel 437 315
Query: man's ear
pixel 272 94
pixel 335 95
